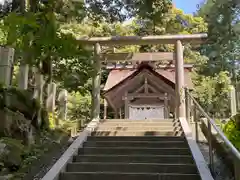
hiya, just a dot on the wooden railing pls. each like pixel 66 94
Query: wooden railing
pixel 195 107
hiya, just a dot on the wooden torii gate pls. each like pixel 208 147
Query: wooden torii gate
pixel 177 40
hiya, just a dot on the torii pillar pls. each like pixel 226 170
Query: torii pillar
pixel 105 109
pixel 179 81
pixel 96 83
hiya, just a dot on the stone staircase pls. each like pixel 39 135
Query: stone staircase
pixel 164 127
pixel 134 150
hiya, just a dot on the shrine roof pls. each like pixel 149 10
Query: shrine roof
pixel 117 76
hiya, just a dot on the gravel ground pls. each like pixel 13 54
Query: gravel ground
pixel 221 171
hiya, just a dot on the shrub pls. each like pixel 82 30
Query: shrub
pixel 232 130
pixel 79 107
pixel 11 151
pixel 16 159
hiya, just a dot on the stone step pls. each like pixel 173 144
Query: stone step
pixel 136 138
pixel 136 128
pixel 137 124
pixel 155 144
pixel 162 119
pixel 142 121
pixel 173 159
pixel 137 133
pixel 131 167
pixel 133 150
pixel 126 176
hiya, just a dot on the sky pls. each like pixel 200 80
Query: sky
pixel 188 6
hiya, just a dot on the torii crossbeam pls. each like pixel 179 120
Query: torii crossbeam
pixel 143 40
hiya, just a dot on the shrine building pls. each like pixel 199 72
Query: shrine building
pixel 143 91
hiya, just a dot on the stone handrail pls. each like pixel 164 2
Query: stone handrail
pixel 215 126
pixel 210 124
pixel 201 164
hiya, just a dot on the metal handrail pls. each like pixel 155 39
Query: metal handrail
pixel 235 152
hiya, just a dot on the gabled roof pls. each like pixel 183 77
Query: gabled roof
pixel 116 77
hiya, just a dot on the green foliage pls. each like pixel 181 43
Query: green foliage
pixel 79 107
pixel 223 44
pixel 16 159
pixel 172 22
pixel 11 151
pixel 212 93
pixel 2 34
pixel 109 11
pixel 63 125
pixel 68 125
pixel 119 11
pixel 43 141
pixel 38 40
pixel 152 13
pixel 52 120
pixel 80 68
pixel 221 68
pixel 205 8
pixel 232 130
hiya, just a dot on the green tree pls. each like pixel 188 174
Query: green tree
pixel 119 11
pixel 212 93
pixel 109 10
pixel 38 38
pixel 223 31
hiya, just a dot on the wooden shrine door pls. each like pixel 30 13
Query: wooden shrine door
pixel 140 112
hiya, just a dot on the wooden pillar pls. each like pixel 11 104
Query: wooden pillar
pixel 23 76
pixel 115 114
pixel 179 77
pixel 6 63
pixel 96 83
pixel 126 106
pixel 120 113
pixel 166 106
pixel 105 109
